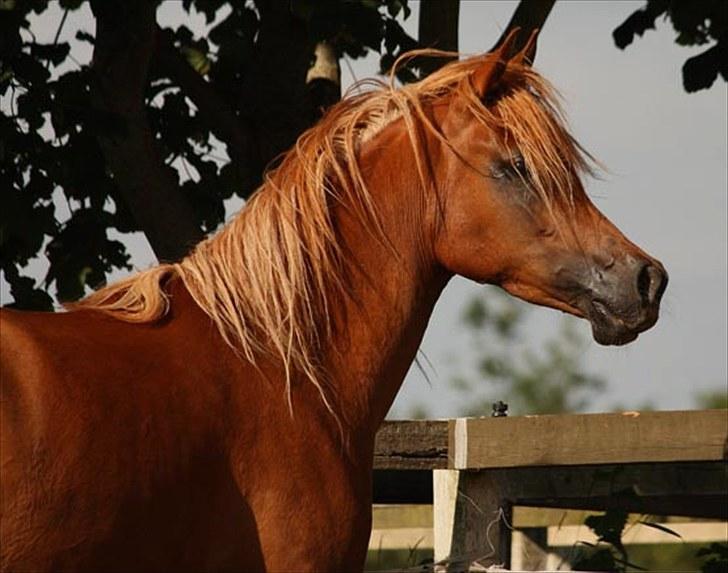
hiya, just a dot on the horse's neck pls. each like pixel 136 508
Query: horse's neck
pixel 384 321
pixel 383 334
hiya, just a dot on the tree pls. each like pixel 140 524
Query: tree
pixel 697 23
pixel 164 125
pixel 104 137
pixel 129 142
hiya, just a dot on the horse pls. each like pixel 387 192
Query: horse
pixel 219 413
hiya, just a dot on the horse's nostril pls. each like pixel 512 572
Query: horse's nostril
pixel 651 283
pixel 660 283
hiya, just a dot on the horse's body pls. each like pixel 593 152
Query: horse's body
pixel 182 458
pixel 146 435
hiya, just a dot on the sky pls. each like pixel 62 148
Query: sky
pixel 666 189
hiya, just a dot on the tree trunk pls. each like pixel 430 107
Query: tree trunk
pixel 277 87
pixel 438 28
pixel 286 100
pixel 125 41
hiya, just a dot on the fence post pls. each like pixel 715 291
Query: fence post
pixel 530 550
pixel 472 518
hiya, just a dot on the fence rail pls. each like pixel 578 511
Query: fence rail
pixel 475 470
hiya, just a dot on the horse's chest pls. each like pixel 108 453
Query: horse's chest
pixel 312 507
pixel 323 525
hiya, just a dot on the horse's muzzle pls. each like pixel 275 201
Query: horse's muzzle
pixel 624 300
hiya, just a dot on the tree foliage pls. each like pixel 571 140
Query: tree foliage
pixel 697 23
pixel 713 399
pixel 716 558
pixel 137 139
pixel 164 125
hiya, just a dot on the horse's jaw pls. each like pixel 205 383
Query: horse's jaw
pixel 611 329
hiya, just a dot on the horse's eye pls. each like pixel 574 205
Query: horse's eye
pixel 513 168
pixel 519 165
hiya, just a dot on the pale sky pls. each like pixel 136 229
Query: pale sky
pixel 667 191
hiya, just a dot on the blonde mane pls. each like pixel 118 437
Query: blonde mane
pixel 269 278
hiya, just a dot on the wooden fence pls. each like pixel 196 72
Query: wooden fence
pixel 476 470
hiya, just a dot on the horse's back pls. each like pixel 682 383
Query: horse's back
pixel 54 448
pixel 153 447
pixel 58 368
pixel 109 459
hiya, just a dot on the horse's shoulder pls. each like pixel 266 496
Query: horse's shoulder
pixel 45 353
pixel 29 332
pixel 19 334
pixel 25 362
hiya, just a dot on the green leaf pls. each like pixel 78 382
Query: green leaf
pixel 714 550
pixel 53 53
pixel 209 8
pixel 394 7
pixel 29 71
pixel 83 36
pixel 701 71
pixel 476 313
pixel 717 561
pixel 24 292
pixel 197 59
pixel 609 526
pixel 660 527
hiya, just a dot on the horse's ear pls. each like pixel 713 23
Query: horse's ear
pixel 488 74
pixel 528 53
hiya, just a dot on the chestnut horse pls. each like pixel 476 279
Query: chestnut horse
pixel 219 414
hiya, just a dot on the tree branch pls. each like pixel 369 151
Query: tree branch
pixel 529 15
pixel 323 78
pixel 214 110
pixel 125 38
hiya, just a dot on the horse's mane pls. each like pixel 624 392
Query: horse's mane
pixel 268 278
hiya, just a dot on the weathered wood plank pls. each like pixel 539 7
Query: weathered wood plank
pixel 703 506
pixel 473 508
pixel 398 516
pixel 686 488
pixel 630 437
pixel 412 444
pixel 655 462
pixel 531 517
pixel 472 516
pixel 529 550
pixel 445 491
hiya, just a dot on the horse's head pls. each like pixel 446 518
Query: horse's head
pixel 512 210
